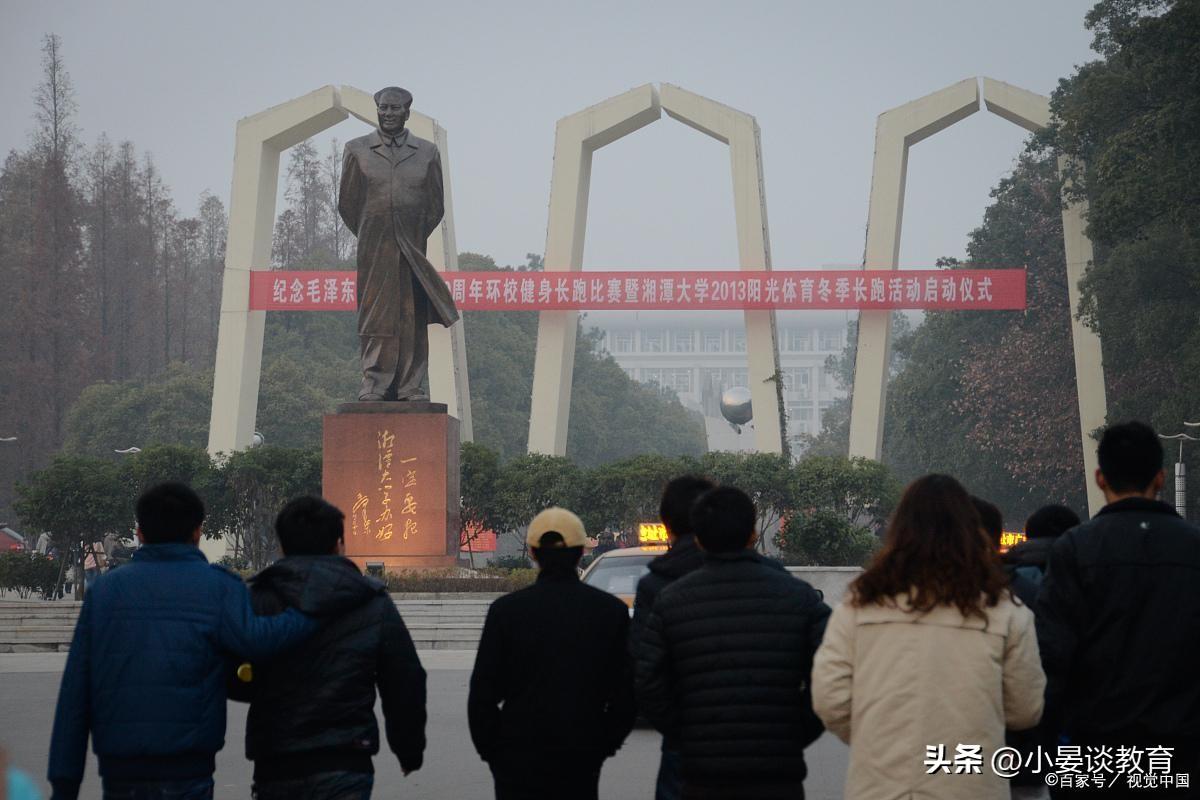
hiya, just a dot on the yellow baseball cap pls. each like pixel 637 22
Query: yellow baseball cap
pixel 560 521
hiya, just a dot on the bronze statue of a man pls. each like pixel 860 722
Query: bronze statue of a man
pixel 391 198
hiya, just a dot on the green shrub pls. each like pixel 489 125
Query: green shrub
pixel 28 573
pixel 454 580
pixel 510 563
pixel 824 538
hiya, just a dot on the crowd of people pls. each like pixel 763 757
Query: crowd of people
pixel 1082 641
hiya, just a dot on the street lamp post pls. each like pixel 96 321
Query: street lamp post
pixel 1181 469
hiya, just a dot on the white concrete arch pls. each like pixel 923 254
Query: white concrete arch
pixel 577 137
pixel 896 130
pixel 261 139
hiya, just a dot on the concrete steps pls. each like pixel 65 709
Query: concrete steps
pixel 435 622
pixel 36 626
pixel 444 621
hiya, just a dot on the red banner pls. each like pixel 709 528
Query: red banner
pixel 819 290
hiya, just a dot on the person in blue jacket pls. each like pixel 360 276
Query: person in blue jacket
pixel 146 671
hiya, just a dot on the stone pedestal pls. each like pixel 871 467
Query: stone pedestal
pixel 392 468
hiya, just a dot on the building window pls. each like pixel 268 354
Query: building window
pixel 797 340
pixel 683 341
pixel 831 340
pixel 722 379
pixel 712 341
pixel 652 376
pixel 797 380
pixel 652 341
pixel 799 417
pixel 738 342
pixel 623 342
pixel 678 379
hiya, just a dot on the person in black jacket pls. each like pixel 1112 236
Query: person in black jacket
pixel 1119 615
pixel 1026 563
pixel 551 693
pixel 311 730
pixel 675 511
pixel 724 663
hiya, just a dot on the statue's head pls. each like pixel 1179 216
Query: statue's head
pixel 393 105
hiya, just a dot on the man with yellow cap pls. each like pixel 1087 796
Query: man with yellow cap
pixel 552 690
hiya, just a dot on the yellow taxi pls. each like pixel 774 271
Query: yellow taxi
pixel 618 571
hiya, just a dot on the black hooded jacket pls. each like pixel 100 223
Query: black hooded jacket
pixel 313 710
pixel 683 557
pixel 1026 566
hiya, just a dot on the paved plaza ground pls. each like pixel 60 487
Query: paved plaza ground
pixel 452 771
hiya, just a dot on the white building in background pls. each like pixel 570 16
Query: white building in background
pixel 700 354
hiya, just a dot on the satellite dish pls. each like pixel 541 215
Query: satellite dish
pixel 735 406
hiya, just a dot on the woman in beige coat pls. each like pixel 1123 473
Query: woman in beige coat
pixel 929 649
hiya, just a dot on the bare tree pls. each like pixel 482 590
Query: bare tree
pixel 98 234
pixel 158 212
pixel 54 99
pixel 342 242
pixel 307 198
pixel 287 248
pixel 53 304
pixel 186 240
pixel 214 227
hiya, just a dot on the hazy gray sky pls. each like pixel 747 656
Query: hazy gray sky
pixel 175 77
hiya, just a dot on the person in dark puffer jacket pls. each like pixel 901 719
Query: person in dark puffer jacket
pixel 725 661
pixel 683 557
pixel 147 667
pixel 311 731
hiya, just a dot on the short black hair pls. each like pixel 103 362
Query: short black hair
pixel 723 520
pixel 990 519
pixel 675 509
pixel 552 539
pixel 1050 521
pixel 169 512
pixel 397 89
pixel 553 554
pixel 1130 456
pixel 309 526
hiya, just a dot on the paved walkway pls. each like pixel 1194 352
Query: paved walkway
pixel 452 771
pixel 13 663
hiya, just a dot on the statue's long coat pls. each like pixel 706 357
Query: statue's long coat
pixel 391 198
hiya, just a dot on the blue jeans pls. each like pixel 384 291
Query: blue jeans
pixel 669 785
pixel 322 786
pixel 189 789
